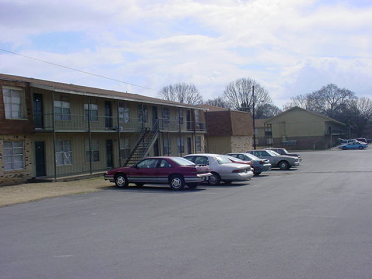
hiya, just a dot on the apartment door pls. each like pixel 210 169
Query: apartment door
pixel 109 156
pixel 155 117
pixel 189 145
pixel 108 115
pixel 188 120
pixel 38 111
pixel 40 158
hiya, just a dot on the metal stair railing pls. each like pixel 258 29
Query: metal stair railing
pixel 144 143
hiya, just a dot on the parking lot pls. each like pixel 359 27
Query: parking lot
pixel 314 221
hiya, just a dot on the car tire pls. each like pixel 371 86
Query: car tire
pixel 177 182
pixel 283 165
pixel 121 180
pixel 361 147
pixel 257 173
pixel 344 148
pixel 193 185
pixel 214 179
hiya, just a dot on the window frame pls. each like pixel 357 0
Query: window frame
pixel 13 155
pixel 65 114
pixel 66 161
pixel 9 105
pixel 94 150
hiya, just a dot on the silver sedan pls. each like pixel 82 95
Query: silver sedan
pixel 222 168
pixel 276 160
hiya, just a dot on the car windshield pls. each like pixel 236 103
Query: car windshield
pixel 222 159
pixel 182 161
pixel 272 153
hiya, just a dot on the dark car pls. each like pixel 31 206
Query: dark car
pixel 258 165
pixel 175 171
pixel 283 151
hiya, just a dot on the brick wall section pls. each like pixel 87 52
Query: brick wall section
pixel 241 143
pixel 16 126
pixel 17 176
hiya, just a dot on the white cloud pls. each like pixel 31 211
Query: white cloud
pixel 291 47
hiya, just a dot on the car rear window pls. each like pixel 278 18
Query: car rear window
pixel 222 159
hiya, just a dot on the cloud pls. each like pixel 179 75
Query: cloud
pixel 291 47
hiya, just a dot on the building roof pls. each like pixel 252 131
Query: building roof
pixel 308 111
pixel 212 108
pixel 92 91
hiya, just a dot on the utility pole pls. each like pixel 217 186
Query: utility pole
pixel 254 125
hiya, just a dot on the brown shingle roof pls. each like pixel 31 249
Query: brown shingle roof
pixel 92 91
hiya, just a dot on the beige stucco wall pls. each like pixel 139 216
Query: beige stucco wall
pixel 16 176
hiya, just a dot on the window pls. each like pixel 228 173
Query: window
pixel 93 108
pixel 164 164
pixel 198 144
pixel 142 114
pixel 124 148
pixel 124 116
pixel 63 152
pixel 179 116
pixel 62 109
pixel 14 155
pixel 94 150
pixel 14 103
pixel 147 164
pixel 181 145
pixel 166 146
pixel 166 114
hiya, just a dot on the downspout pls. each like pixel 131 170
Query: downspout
pixel 54 139
pixel 90 138
pixel 118 111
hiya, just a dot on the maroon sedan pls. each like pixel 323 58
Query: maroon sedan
pixel 175 171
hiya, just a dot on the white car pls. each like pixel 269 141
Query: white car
pixel 222 168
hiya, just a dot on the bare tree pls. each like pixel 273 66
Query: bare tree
pixel 329 100
pixel 267 111
pixel 218 102
pixel 239 94
pixel 360 115
pixel 298 101
pixel 181 92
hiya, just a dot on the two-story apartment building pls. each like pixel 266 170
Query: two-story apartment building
pixel 51 129
pixel 298 128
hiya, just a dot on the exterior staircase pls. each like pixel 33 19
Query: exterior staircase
pixel 141 149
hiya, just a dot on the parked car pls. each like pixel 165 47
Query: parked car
pixel 258 165
pixel 222 168
pixel 175 171
pixel 283 151
pixel 364 140
pixel 353 145
pixel 282 162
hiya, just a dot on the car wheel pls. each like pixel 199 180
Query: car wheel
pixel 214 179
pixel 344 148
pixel 283 165
pixel 257 173
pixel 177 182
pixel 361 147
pixel 121 180
pixel 193 185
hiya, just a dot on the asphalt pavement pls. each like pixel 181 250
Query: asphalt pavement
pixel 314 221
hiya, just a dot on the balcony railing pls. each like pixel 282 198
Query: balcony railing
pixel 80 123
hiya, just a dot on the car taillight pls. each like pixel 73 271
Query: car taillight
pixel 239 170
pixel 262 162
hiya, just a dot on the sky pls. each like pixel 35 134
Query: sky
pixel 290 47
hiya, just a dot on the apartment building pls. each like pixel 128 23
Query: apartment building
pixel 51 130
